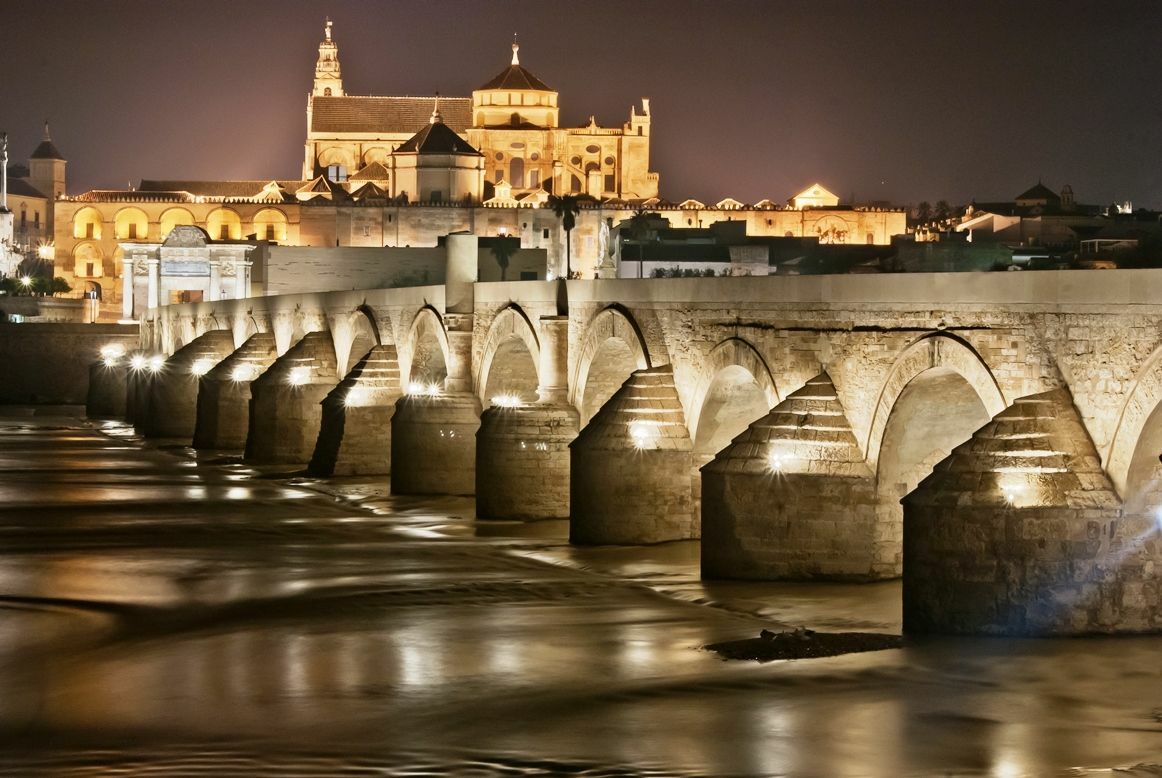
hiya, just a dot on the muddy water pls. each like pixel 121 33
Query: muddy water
pixel 161 615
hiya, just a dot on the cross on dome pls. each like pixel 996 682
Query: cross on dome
pixel 515 49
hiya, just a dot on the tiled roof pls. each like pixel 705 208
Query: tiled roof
pixel 47 150
pixel 21 188
pixel 1038 192
pixel 237 189
pixel 437 138
pixel 516 77
pixel 373 172
pixel 386 114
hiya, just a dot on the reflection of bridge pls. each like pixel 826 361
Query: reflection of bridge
pixel 1041 522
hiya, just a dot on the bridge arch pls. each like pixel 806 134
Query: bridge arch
pixel 736 388
pixel 510 362
pixel 612 347
pixel 1133 463
pixel 353 334
pixel 427 351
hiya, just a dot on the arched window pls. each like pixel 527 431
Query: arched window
pixel 131 224
pixel 174 217
pixel 87 224
pixel 270 224
pixel 87 261
pixel 516 172
pixel 224 224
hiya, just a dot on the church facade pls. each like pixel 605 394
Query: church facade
pixel 512 120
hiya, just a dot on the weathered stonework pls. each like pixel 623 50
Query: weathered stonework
pixel 433 444
pixel 355 433
pixel 522 461
pixel 1020 532
pixel 792 498
pixel 631 467
pixel 224 394
pixel 285 410
pixel 173 402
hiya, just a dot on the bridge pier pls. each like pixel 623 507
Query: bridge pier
pixel 285 410
pixel 630 475
pixel 173 401
pixel 224 395
pixel 433 436
pixel 108 388
pixel 355 431
pixel 137 387
pixel 792 498
pixel 522 452
pixel 1020 532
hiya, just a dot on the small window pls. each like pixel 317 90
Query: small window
pixel 224 232
pixel 871 238
pixel 36 218
pixel 337 173
pixel 545 234
pixel 90 269
pixel 89 230
pixel 133 231
pixel 270 232
pixel 609 183
pixel 23 218
pixel 515 119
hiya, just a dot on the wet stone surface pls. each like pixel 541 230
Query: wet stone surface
pixel 172 614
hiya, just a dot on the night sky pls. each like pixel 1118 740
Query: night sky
pixel 899 101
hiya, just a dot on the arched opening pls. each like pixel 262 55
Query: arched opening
pixel 733 401
pixel 87 261
pixel 224 224
pixel 516 172
pixel 428 367
pixel 937 411
pixel 87 224
pixel 1143 491
pixel 270 224
pixel 174 217
pixel 613 362
pixel 131 224
pixel 362 341
pixel 512 373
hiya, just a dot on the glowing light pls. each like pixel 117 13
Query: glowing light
pixel 507 400
pixel 550 276
pixel 1014 491
pixel 642 432
pixel 776 460
pixel 112 351
pixel 356 395
pixel 420 389
pixel 201 367
pixel 110 362
pixel 137 362
pixel 156 363
pixel 299 375
pixel 243 373
pixel 26 281
pixel 1158 516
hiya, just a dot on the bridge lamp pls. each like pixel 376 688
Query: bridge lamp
pixel 642 433
pixel 1013 491
pixel 201 367
pixel 242 373
pixel 356 395
pixel 156 363
pixel 26 281
pixel 507 400
pixel 137 362
pixel 776 460
pixel 299 375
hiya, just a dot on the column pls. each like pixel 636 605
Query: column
pixel 152 299
pixel 127 288
pixel 241 280
pixel 215 281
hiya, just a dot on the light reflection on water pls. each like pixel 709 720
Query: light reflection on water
pixel 258 627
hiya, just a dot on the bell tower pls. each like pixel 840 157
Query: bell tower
pixel 328 79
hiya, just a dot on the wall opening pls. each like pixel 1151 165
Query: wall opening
pixel 1143 492
pixel 732 402
pixel 512 372
pixel 612 364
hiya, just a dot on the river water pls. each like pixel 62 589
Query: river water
pixel 162 615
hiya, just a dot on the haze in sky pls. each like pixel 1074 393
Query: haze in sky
pixel 898 101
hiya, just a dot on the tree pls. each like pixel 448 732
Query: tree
pixel 502 250
pixel 943 211
pixel 923 212
pixel 566 207
pixel 639 230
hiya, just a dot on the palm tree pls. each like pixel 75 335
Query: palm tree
pixel 502 250
pixel 566 207
pixel 639 230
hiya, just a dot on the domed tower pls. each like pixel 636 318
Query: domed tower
pixel 328 78
pixel 46 173
pixel 515 98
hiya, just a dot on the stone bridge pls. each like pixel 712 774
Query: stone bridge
pixel 994 438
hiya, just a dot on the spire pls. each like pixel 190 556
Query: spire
pixel 328 78
pixel 515 49
pixel 435 118
pixel 46 137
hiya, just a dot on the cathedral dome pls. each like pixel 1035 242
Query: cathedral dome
pixel 515 98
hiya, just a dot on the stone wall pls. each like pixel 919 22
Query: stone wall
pixel 49 363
